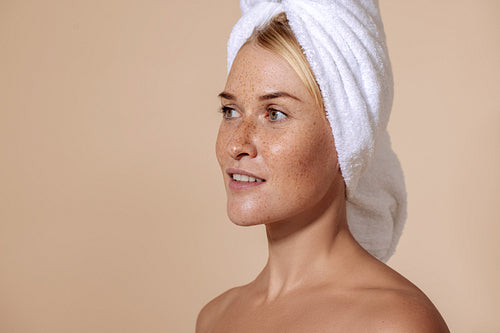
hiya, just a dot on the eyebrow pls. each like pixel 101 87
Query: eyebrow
pixel 227 95
pixel 276 94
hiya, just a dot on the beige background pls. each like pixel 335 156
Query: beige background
pixel 112 209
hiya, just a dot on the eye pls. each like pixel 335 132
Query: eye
pixel 229 113
pixel 276 115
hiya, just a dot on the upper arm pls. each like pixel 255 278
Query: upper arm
pixel 418 322
pixel 409 314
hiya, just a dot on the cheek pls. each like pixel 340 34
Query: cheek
pixel 305 159
pixel 307 148
pixel 321 148
pixel 219 145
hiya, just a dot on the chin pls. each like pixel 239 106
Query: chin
pixel 244 219
pixel 249 215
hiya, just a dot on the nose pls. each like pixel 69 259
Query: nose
pixel 242 142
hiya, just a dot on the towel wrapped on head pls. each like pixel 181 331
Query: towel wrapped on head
pixel 344 43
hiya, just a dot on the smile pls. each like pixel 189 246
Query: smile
pixel 245 179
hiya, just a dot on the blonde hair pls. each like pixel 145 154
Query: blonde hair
pixel 277 36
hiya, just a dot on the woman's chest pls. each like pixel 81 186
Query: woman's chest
pixel 293 316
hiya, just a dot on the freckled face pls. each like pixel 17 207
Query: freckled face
pixel 272 131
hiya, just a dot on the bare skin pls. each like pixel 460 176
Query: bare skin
pixel 317 278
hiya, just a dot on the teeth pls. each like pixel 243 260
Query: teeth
pixel 245 178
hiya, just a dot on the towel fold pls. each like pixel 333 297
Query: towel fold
pixel 344 43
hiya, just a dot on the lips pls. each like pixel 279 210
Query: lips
pixel 245 179
pixel 241 179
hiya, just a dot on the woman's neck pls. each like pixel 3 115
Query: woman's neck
pixel 309 250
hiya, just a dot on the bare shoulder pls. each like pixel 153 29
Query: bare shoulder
pixel 211 312
pixel 403 310
pixel 388 302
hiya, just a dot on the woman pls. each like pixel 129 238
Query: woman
pixel 303 149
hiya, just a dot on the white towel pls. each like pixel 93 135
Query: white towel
pixel 344 42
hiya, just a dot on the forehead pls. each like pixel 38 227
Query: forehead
pixel 256 71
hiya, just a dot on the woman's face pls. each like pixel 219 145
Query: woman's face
pixel 275 146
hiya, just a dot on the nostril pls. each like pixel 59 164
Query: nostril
pixel 239 150
pixel 240 155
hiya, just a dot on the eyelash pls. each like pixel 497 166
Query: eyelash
pixel 271 110
pixel 225 109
